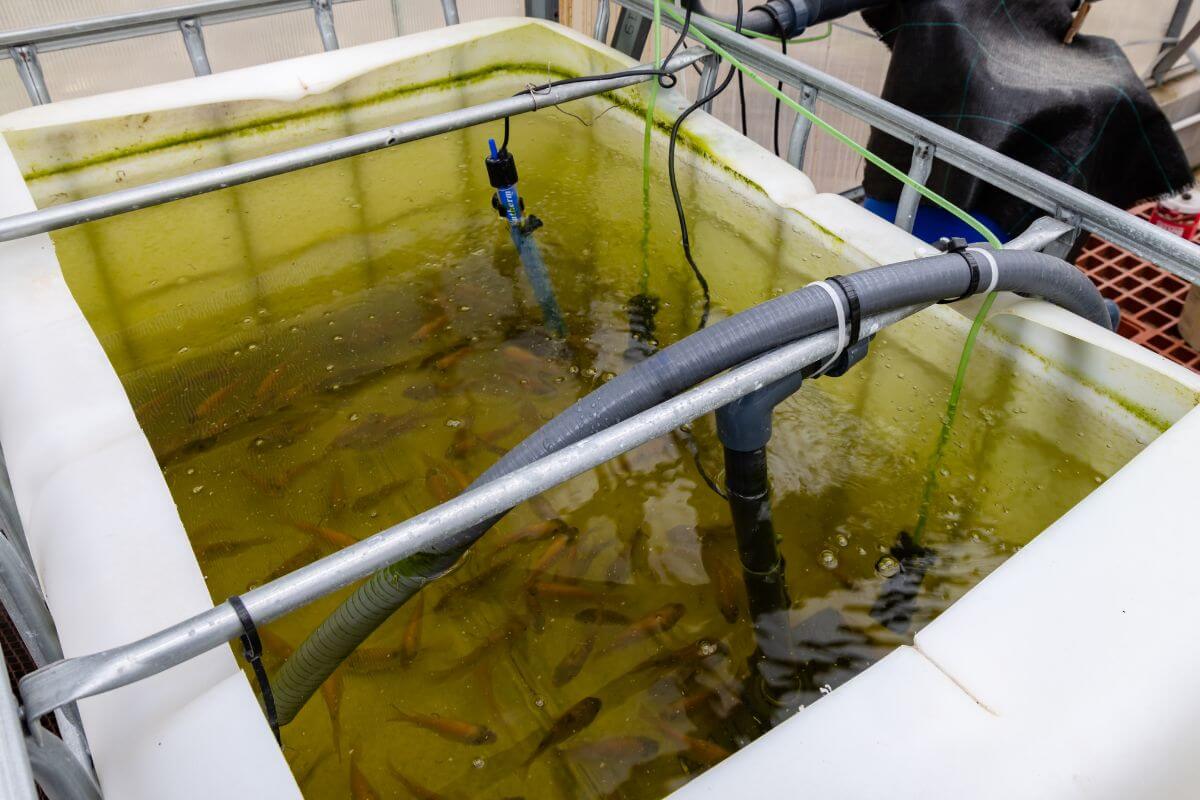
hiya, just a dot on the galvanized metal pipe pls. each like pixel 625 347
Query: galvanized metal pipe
pixel 30 71
pixel 16 775
pixel 216 178
pixel 802 127
pixel 323 9
pixel 72 679
pixel 97 30
pixel 600 30
pixel 193 41
pixel 450 11
pixel 1168 251
pixel 910 199
pixel 58 772
pixel 710 65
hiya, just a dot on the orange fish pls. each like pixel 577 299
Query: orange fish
pixel 412 787
pixel 573 720
pixel 266 387
pixel 452 729
pixel 227 549
pixel 360 787
pixel 616 749
pixel 410 642
pixel 453 357
pixel 377 496
pixel 701 751
pixel 573 661
pixel 563 591
pixel 330 536
pixel 537 530
pixel 210 403
pixel 331 693
pixel 724 583
pixel 660 620
pixel 302 559
pixel 554 552
pixel 430 328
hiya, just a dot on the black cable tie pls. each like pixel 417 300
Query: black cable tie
pixel 853 307
pixel 252 652
pixel 959 248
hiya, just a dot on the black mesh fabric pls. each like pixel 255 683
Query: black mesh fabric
pixel 997 71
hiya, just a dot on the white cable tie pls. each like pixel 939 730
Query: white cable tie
pixel 995 267
pixel 843 333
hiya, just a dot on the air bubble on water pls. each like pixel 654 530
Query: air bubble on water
pixel 708 647
pixel 478 763
pixel 539 702
pixel 841 540
pixel 337 337
pixel 454 423
pixel 191 470
pixel 828 559
pixel 198 489
pixel 183 350
pixel 354 417
pixel 259 442
pixel 247 320
pixel 887 566
pixel 329 367
pixel 294 329
pixel 464 308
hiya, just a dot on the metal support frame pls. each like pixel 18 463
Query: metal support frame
pixel 30 70
pixel 1170 57
pixel 193 41
pixel 450 11
pixel 910 198
pixel 16 773
pixel 603 12
pixel 323 10
pixel 1047 235
pixel 438 528
pixel 1157 245
pixel 709 66
pixel 802 127
pixel 216 178
pixel 57 771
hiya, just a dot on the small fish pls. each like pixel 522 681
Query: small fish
pixel 328 535
pixel 619 749
pixel 377 496
pixel 473 584
pixel 214 400
pixel 573 661
pixel 266 386
pixel 360 787
pixel 439 486
pixel 410 642
pixel 513 627
pixel 691 654
pixel 302 559
pixel 601 616
pixel 467 442
pixel 452 729
pixel 429 329
pixel 723 581
pixel 227 549
pixel 639 556
pixel 701 751
pixel 285 434
pixel 660 620
pixel 574 719
pixel 538 530
pixel 374 430
pixel 264 483
pixel 331 693
pixel 412 787
pixel 337 491
pixel 555 550
pixel 521 357
pixel 453 357
pixel 689 703
pixel 541 506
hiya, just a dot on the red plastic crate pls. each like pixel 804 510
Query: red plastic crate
pixel 1150 299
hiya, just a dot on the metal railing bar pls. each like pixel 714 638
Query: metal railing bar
pixel 1122 229
pixel 1170 57
pixel 50 687
pixel 910 199
pixel 99 30
pixel 710 65
pixel 57 771
pixel 600 29
pixel 16 774
pixel 1043 232
pixel 30 71
pixel 802 127
pixel 450 11
pixel 216 178
pixel 22 598
pixel 193 42
pixel 323 9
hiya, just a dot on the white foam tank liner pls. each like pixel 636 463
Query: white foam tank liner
pixel 1068 672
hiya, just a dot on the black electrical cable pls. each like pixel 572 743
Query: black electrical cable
pixel 774 15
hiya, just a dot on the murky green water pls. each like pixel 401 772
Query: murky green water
pixel 321 355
